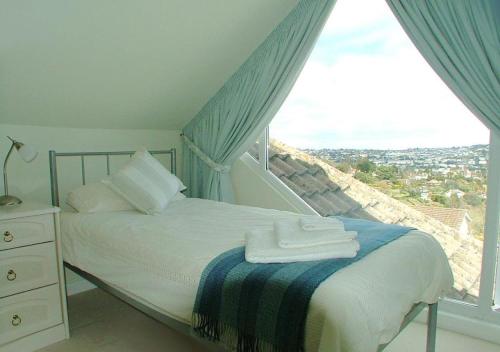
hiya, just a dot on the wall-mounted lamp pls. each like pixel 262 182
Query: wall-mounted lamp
pixel 28 154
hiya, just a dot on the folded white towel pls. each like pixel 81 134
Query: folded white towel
pixel 262 247
pixel 291 235
pixel 319 223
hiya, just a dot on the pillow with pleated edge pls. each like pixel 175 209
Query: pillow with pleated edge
pixel 145 183
pixel 154 163
pixel 96 197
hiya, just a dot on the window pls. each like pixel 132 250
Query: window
pixel 370 131
pixel 259 151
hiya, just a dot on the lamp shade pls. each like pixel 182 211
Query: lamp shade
pixel 27 152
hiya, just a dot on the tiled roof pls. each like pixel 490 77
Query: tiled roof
pixel 314 186
pixel 452 217
pixel 332 192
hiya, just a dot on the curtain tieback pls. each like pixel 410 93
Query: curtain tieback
pixel 204 157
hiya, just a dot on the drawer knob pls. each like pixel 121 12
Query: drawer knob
pixel 11 275
pixel 16 320
pixel 7 236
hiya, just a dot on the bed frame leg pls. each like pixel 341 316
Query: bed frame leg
pixel 431 327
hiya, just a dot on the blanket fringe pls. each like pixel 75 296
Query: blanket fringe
pixel 231 337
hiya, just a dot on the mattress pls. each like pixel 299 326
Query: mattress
pixel 159 259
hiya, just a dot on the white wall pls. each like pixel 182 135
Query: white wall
pixel 255 187
pixel 250 189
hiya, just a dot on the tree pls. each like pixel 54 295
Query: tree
pixel 455 202
pixel 473 199
pixel 389 172
pixel 439 198
pixel 366 166
pixel 364 177
pixel 413 192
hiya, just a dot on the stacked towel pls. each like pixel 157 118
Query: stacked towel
pixel 291 235
pixel 262 247
pixel 317 223
pixel 304 239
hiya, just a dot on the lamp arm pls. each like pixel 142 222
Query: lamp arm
pixel 5 185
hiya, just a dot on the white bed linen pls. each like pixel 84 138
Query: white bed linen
pixel 160 259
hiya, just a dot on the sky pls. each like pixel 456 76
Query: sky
pixel 366 86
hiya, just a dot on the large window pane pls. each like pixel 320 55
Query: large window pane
pixel 370 131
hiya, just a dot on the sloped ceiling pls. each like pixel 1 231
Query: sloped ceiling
pixel 123 63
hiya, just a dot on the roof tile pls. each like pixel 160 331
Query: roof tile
pixel 452 217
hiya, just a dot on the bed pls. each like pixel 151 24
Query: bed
pixel 155 264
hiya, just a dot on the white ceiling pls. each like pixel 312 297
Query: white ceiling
pixel 123 63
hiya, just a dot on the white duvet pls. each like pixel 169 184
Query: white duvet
pixel 159 260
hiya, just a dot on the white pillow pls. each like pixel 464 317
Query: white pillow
pixel 178 196
pixel 145 183
pixel 151 160
pixel 96 197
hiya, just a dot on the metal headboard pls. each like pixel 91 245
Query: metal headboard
pixel 53 155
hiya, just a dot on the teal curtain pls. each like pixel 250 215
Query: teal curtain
pixel 461 41
pixel 233 119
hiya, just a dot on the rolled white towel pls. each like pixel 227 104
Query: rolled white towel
pixel 262 247
pixel 319 223
pixel 291 235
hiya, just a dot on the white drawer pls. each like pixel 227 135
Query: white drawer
pixel 29 312
pixel 26 231
pixel 27 268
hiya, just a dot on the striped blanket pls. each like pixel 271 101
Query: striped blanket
pixel 263 307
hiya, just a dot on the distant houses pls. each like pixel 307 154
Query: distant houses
pixel 466 161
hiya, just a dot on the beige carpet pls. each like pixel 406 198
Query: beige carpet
pixel 100 322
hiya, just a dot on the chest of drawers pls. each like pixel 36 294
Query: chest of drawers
pixel 33 310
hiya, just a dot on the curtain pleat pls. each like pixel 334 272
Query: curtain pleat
pixel 460 39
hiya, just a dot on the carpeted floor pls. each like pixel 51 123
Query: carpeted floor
pixel 100 322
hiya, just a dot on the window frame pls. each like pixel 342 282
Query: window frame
pixel 264 149
pixel 489 293
pixel 490 273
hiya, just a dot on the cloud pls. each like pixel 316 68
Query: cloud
pixel 385 96
pixel 353 15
